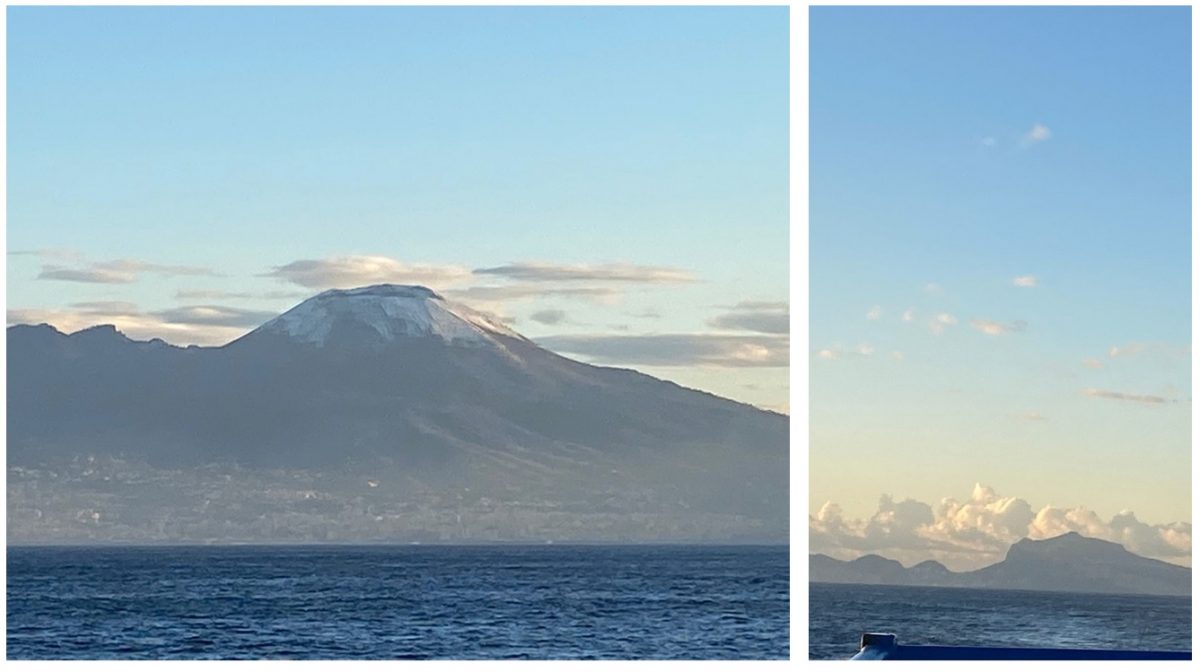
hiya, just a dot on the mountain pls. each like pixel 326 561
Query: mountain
pixel 1067 563
pixel 1075 563
pixel 440 407
pixel 873 569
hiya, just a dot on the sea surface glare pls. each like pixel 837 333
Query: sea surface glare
pixel 840 613
pixel 390 602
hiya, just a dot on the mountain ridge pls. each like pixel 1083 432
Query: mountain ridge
pixel 1065 563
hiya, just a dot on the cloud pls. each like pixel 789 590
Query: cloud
pixel 218 295
pixel 86 275
pixel 937 326
pixel 550 316
pixel 933 288
pixel 909 315
pixel 764 317
pixel 988 141
pixel 993 328
pixel 1171 541
pixel 136 325
pixel 1033 416
pixel 119 271
pixel 57 253
pixel 110 307
pixel 978 531
pixel 719 350
pixel 875 313
pixel 219 316
pixel 776 306
pixel 632 273
pixel 1038 133
pixel 861 350
pixel 1149 355
pixel 1123 396
pixel 1093 363
pixel 184 325
pixel 1025 281
pixel 356 271
pixel 1126 350
pixel 532 280
pixel 605 295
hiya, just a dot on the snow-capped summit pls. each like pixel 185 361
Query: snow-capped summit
pixel 390 312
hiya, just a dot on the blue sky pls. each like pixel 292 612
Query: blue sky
pixel 1025 174
pixel 167 166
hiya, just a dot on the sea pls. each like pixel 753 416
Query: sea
pixel 840 613
pixel 398 602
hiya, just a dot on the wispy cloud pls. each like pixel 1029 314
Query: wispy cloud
pixel 1125 396
pixel 909 315
pixel 604 295
pixel 1039 133
pixel 219 295
pixel 184 325
pixel 91 275
pixel 875 313
pixel 546 272
pixel 56 253
pixel 776 306
pixel 218 316
pixel 1025 281
pixel 764 317
pixel 937 326
pixel 994 328
pixel 978 531
pixel 860 350
pixel 1033 416
pixel 356 271
pixel 110 307
pixel 1126 350
pixel 119 271
pixel 1093 363
pixel 718 350
pixel 549 316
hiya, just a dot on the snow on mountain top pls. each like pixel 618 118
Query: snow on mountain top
pixel 393 311
pixel 397 291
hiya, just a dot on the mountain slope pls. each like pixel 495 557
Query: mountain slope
pixel 396 380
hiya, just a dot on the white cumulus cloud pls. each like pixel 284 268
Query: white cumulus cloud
pixel 977 531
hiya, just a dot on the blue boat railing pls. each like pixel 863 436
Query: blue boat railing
pixel 881 646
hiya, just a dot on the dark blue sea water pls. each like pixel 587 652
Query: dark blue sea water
pixel 840 613
pixel 398 602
